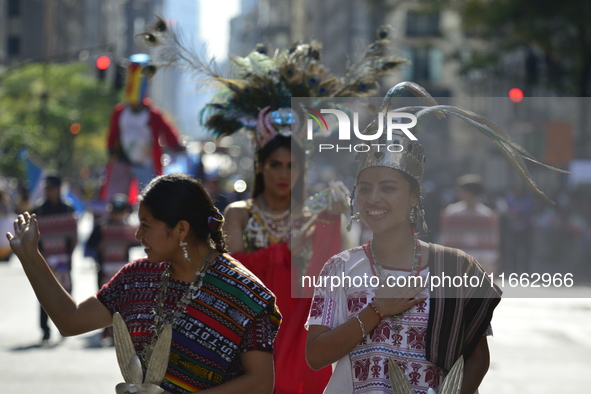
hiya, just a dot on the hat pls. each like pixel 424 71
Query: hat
pixel 53 180
pixel 119 203
pixel 408 156
pixel 471 182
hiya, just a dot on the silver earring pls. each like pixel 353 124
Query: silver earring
pixel 355 217
pixel 183 246
pixel 412 218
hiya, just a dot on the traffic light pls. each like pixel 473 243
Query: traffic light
pixel 102 64
pixel 516 95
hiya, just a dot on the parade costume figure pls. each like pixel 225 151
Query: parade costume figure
pixel 264 232
pixel 136 132
pixel 221 318
pixel 403 339
pixel 58 226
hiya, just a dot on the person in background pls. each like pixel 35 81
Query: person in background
pixel 58 229
pixel 469 189
pixel 471 226
pixel 260 235
pixel 23 199
pixel 109 245
pixel 137 133
pixel 520 210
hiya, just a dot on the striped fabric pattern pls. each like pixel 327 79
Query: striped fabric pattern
pixel 458 316
pixel 233 313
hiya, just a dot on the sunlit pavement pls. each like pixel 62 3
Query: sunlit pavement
pixel 68 365
pixel 539 346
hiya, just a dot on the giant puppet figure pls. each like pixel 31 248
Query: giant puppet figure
pixel 137 134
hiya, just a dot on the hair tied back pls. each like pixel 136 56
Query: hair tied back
pixel 215 223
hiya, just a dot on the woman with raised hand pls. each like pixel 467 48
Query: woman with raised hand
pixel 223 319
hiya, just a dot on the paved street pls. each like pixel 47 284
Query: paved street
pixel 75 365
pixel 540 346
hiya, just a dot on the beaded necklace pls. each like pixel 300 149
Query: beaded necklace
pixel 161 318
pixel 275 227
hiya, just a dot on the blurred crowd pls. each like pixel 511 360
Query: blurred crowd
pixel 535 236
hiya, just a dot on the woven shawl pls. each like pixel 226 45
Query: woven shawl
pixel 458 317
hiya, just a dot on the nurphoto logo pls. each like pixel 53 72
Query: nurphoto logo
pixel 393 121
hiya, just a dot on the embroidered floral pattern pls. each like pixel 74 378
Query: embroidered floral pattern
pixel 405 343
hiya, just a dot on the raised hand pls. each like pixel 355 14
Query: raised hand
pixel 26 235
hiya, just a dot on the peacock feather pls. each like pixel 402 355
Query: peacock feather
pixel 259 80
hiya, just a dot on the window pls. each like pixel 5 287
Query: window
pixel 422 24
pixel 14 46
pixel 14 8
pixel 426 63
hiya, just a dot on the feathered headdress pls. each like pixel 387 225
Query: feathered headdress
pixel 411 158
pixel 260 91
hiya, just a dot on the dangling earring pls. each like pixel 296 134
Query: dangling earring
pixel 412 217
pixel 183 246
pixel 356 216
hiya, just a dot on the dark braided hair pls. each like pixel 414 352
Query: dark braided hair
pixel 175 197
pixel 215 223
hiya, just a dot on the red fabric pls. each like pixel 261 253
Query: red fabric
pixel 163 132
pixel 272 265
pixel 133 192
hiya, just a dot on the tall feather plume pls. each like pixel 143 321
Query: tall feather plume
pixel 361 77
pixel 260 80
pixel 514 153
pixel 171 51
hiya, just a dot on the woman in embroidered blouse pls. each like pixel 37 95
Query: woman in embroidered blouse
pixel 359 328
pixel 259 235
pixel 224 319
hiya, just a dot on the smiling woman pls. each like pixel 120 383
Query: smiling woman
pixel 224 320
pixel 384 197
pixel 395 335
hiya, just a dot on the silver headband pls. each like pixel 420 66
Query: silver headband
pixel 401 153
